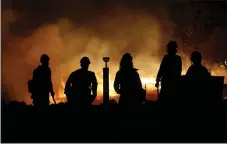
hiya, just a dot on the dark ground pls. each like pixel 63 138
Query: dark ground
pixel 21 123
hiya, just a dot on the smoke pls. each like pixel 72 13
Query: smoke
pixel 70 30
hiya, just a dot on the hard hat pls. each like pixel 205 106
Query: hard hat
pixel 196 56
pixel 44 57
pixel 85 60
pixel 172 44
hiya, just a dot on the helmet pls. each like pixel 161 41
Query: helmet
pixel 172 44
pixel 172 47
pixel 44 57
pixel 85 60
pixel 196 56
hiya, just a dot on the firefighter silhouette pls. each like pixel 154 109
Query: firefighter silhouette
pixel 197 70
pixel 169 72
pixel 127 83
pixel 81 86
pixel 41 85
pixel 198 77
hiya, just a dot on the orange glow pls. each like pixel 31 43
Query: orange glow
pixel 138 33
pixel 149 81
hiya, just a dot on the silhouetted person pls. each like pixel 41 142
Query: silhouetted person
pixel 79 86
pixel 169 72
pixel 41 83
pixel 169 75
pixel 127 83
pixel 197 70
pixel 198 78
pixel 199 105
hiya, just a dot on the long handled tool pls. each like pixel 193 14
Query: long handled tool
pixel 54 100
pixel 157 86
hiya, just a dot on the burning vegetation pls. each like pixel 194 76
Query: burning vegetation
pixel 147 80
pixel 68 31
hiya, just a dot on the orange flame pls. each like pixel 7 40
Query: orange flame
pixel 148 80
pixel 61 97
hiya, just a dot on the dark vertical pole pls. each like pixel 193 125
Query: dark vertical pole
pixel 145 92
pixel 105 82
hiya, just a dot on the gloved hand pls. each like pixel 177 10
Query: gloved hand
pixel 157 84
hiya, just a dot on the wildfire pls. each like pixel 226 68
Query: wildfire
pixel 148 80
pixel 61 97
